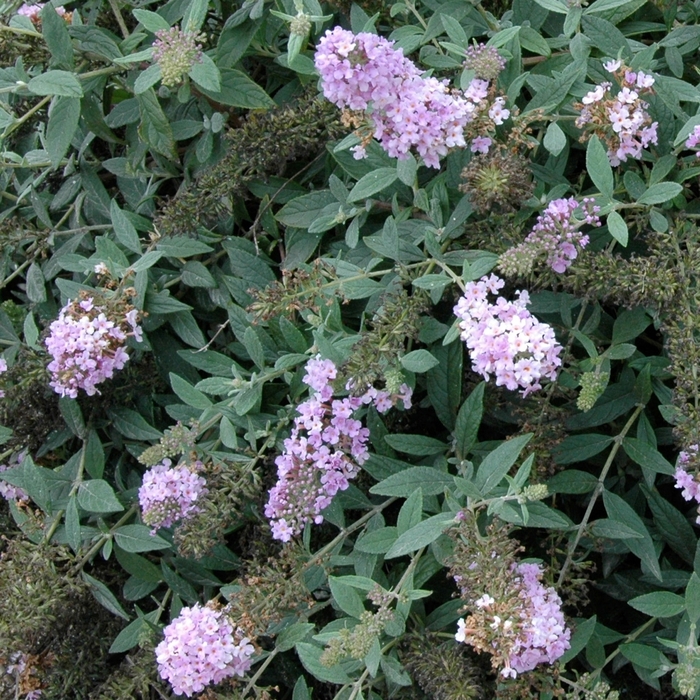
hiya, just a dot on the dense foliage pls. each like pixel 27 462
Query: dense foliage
pixel 349 350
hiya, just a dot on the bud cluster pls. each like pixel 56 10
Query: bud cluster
pixel 176 52
pixel 619 117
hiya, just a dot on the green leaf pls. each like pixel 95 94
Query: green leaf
pixel 554 6
pixel 598 167
pixel 572 481
pixel 411 511
pixel 579 448
pixel 155 128
pixel 151 21
pixel 372 183
pixel 554 139
pixel 468 421
pixel 206 74
pixel 138 538
pixel 238 90
pixel 432 481
pixel 660 192
pixel 132 425
pixel 310 657
pixel 604 6
pixel 97 496
pixel 419 445
pixel 346 597
pixel 187 393
pixel 613 530
pixel 377 541
pixel 630 324
pixel 582 633
pixel 195 15
pixel 292 635
pixel 618 228
pixel 195 274
pixel 130 636
pixel 104 596
pixel 420 535
pixel 419 361
pixel 621 511
pixel 647 456
pixel 36 284
pixel 63 122
pixel 147 79
pixel 138 566
pixel 254 347
pixel 73 524
pixel 123 229
pixel 498 463
pixel 444 391
pixel 301 690
pixel 182 247
pixel 692 598
pixel 534 42
pixel 55 32
pixel 659 604
pixel 644 656
pixel 672 525
pixel 56 82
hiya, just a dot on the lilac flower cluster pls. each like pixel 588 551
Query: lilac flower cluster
pixel 505 339
pixel 325 450
pixel 363 72
pixel 687 475
pixel 693 140
pixel 3 369
pixel 200 648
pixel 87 345
pixel 169 494
pixel 33 11
pixel 8 491
pixel 543 635
pixel 529 630
pixel 556 236
pixel 620 120
pixel 176 52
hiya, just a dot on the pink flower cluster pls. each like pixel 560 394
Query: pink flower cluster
pixel 363 72
pixel 3 369
pixel 686 476
pixel 325 450
pixel 33 11
pixel 543 636
pixel 693 140
pixel 7 490
pixel 169 494
pixel 87 345
pixel 556 236
pixel 200 648
pixel 505 339
pixel 620 120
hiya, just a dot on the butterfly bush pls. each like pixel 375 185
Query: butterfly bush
pixel 200 648
pixel 693 140
pixel 505 339
pixel 530 629
pixel 324 452
pixel 618 116
pixel 169 494
pixel 556 236
pixel 33 11
pixel 686 476
pixel 364 73
pixel 87 341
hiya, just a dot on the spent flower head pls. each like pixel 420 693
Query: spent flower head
pixel 485 61
pixel 176 51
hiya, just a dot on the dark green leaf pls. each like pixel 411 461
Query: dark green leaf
pixel 431 481
pixel 97 496
pixel 138 538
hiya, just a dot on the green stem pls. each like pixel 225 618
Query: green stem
pixel 598 490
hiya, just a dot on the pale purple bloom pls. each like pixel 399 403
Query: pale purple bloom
pixel 8 491
pixel 686 475
pixel 200 648
pixel 693 140
pixel 33 10
pixel 504 339
pixel 324 452
pixel 87 347
pixel 169 494
pixel 481 144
